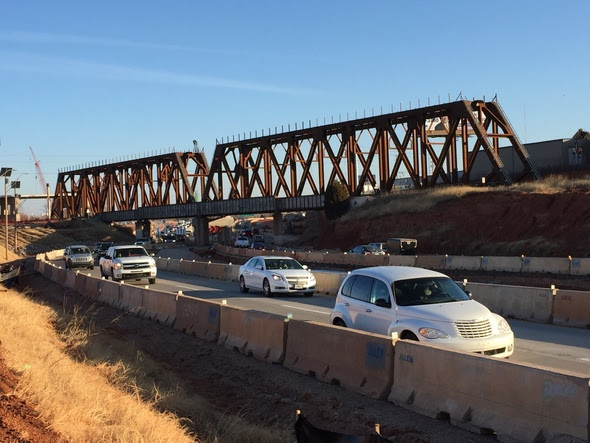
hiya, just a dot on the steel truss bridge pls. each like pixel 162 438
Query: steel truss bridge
pixel 431 146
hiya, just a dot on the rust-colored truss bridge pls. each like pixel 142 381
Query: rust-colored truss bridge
pixel 426 147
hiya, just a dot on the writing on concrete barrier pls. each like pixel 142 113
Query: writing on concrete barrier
pixel 552 390
pixel 406 357
pixel 375 357
pixel 212 314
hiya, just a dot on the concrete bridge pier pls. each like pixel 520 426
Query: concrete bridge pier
pixel 143 229
pixel 278 225
pixel 201 227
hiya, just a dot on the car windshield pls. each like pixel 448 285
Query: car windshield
pixel 80 250
pixel 130 252
pixel 430 290
pixel 282 263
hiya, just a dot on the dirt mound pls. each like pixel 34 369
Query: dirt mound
pixel 495 223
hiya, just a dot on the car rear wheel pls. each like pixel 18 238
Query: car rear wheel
pixel 266 288
pixel 102 274
pixel 339 322
pixel 243 287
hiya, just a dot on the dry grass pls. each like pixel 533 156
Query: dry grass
pixel 421 200
pixel 91 387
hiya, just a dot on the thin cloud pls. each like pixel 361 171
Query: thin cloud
pixel 64 67
pixel 66 39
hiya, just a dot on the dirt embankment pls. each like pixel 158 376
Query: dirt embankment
pixel 495 223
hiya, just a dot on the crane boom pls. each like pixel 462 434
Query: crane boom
pixel 39 172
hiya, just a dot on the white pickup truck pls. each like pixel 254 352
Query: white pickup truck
pixel 129 262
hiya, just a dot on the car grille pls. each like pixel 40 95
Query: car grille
pixel 297 280
pixel 474 329
pixel 136 266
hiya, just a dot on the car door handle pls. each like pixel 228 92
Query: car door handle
pixel 346 304
pixel 368 310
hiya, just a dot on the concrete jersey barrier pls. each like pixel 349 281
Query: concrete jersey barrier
pixel 197 317
pixel 260 334
pixel 572 308
pixel 359 361
pixel 524 303
pixel 484 395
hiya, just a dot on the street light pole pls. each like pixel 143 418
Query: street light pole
pixel 5 172
pixel 15 185
pixel 6 216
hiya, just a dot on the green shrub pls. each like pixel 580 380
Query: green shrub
pixel 336 200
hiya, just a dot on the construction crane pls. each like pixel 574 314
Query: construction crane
pixel 39 173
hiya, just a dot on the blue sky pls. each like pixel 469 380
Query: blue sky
pixel 87 81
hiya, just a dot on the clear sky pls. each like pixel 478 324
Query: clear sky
pixel 87 81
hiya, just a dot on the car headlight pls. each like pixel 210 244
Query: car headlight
pixel 152 262
pixel 503 326
pixel 117 265
pixel 312 277
pixel 278 277
pixel 432 333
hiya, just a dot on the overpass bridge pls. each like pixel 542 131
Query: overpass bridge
pixel 291 170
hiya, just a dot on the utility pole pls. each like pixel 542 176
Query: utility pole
pixel 5 172
pixel 15 185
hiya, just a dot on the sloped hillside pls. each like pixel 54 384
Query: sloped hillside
pixel 502 223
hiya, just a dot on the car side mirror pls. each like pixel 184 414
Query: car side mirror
pixel 382 303
pixel 469 294
pixel 108 257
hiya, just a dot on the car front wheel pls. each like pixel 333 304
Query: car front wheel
pixel 113 276
pixel 243 287
pixel 152 281
pixel 266 288
pixel 339 322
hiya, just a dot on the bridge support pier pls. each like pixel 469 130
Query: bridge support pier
pixel 201 227
pixel 143 229
pixel 278 225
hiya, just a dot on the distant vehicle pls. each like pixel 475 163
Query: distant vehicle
pixel 242 242
pixel 170 238
pixel 246 233
pixel 257 245
pixel 78 256
pixel 403 246
pixel 423 305
pixel 366 250
pixel 380 246
pixel 258 238
pixel 101 247
pixel 271 275
pixel 144 241
pixel 128 262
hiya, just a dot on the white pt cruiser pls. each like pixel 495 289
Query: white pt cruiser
pixel 419 304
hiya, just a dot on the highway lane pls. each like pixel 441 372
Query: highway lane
pixel 538 344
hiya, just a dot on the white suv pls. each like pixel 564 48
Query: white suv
pixel 419 304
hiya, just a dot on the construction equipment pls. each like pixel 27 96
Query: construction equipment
pixel 39 172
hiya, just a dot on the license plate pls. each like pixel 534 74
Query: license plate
pixel 298 286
